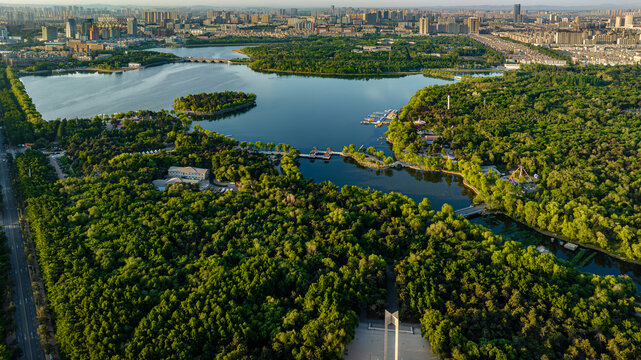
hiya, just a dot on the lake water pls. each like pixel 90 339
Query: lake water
pixel 439 189
pixel 305 112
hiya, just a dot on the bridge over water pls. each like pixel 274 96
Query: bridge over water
pixel 212 60
pixel 470 210
pixel 327 155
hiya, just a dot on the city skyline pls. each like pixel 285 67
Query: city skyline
pixel 538 4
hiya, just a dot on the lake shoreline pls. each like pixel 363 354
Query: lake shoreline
pixel 534 228
pixel 224 111
pixel 95 69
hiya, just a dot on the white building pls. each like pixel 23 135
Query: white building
pixel 70 29
pixel 424 26
pixel 189 173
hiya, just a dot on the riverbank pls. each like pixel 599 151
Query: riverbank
pixel 95 69
pixel 387 74
pixel 79 69
pixel 534 228
pixel 400 164
pixel 567 240
pixel 221 44
pixel 311 73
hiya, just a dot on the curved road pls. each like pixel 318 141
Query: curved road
pixel 25 315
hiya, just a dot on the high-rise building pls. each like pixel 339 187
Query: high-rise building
pixel 114 32
pixel 132 27
pixel 94 33
pixel 70 28
pixel 331 10
pixel 569 37
pixel 293 12
pixel 86 27
pixel 104 33
pixel 370 18
pixel 49 33
pixel 474 25
pixel 4 33
pixel 629 20
pixel 618 22
pixel 157 17
pixel 517 13
pixel 424 26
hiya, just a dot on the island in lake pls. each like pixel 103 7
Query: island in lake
pixel 214 104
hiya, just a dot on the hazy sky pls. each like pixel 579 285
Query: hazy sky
pixel 340 3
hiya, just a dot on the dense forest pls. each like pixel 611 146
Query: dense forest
pixel 278 270
pixel 215 102
pixel 479 298
pixel 281 268
pixel 331 55
pixel 579 129
pixel 20 118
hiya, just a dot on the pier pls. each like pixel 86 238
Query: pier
pixel 379 119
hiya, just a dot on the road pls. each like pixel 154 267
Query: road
pixel 54 162
pixel 25 315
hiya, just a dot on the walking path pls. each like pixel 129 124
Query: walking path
pixel 54 162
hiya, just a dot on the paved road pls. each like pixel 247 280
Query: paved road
pixel 25 315
pixel 54 162
pixel 368 343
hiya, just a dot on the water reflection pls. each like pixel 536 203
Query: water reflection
pixel 599 263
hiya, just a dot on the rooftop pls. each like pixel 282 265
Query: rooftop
pixel 188 170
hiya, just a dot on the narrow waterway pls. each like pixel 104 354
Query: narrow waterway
pixel 586 260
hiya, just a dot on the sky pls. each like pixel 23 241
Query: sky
pixel 340 3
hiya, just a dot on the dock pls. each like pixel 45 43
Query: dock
pixel 379 119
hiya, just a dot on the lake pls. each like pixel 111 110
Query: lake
pixel 304 112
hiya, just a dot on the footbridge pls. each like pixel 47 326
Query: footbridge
pixel 211 60
pixel 471 211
